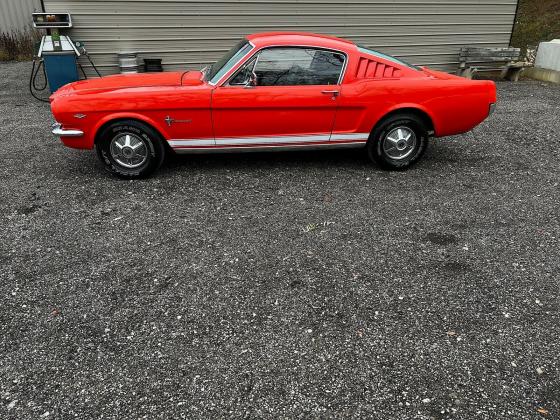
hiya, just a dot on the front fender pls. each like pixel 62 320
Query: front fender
pixel 160 128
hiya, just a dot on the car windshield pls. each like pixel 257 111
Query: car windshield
pixel 386 57
pixel 224 64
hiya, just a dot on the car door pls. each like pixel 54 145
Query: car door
pixel 282 96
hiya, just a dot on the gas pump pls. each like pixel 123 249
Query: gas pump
pixel 57 54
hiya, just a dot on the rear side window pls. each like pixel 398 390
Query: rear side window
pixel 365 50
pixel 298 66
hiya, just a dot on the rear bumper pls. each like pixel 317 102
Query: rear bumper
pixel 57 130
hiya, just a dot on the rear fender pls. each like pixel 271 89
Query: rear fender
pixel 407 106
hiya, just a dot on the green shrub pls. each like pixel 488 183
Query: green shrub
pixel 536 21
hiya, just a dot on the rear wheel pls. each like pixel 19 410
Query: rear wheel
pixel 130 149
pixel 398 142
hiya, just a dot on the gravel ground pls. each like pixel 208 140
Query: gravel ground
pixel 283 285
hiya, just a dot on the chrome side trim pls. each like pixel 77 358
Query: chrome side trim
pixel 271 148
pixel 268 140
pixel 57 130
pixel 351 136
pixel 255 141
pixel 192 142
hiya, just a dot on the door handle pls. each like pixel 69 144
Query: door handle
pixel 330 92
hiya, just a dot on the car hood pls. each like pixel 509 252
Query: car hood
pixel 133 80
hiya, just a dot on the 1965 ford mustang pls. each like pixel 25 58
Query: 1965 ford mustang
pixel 271 91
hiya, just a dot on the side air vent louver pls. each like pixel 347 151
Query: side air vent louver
pixel 371 69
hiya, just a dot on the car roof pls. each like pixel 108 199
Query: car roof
pixel 300 38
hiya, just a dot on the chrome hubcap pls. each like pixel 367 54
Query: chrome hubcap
pixel 129 150
pixel 399 143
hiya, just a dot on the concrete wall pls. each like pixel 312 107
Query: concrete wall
pixel 548 55
pixel 192 33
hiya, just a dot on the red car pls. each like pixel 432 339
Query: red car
pixel 271 91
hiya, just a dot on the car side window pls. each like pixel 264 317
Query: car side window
pixel 295 66
pixel 243 75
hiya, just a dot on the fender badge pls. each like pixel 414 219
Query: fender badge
pixel 170 120
pixel 79 116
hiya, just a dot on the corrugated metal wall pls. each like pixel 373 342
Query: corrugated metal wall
pixel 191 33
pixel 16 14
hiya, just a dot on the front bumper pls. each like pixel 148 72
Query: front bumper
pixel 57 130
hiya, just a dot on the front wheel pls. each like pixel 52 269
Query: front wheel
pixel 398 142
pixel 130 149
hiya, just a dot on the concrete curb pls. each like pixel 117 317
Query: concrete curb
pixel 546 75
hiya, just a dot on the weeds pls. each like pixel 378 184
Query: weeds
pixel 314 226
pixel 18 45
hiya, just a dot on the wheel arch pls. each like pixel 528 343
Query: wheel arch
pixel 421 113
pixel 110 119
